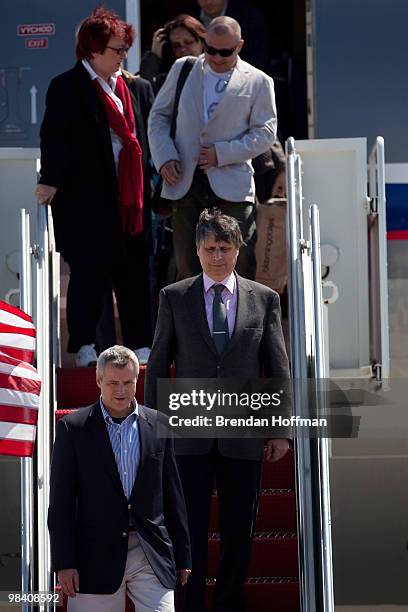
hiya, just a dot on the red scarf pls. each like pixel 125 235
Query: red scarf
pixel 130 158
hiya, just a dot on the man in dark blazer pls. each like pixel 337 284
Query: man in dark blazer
pixel 117 517
pixel 81 177
pixel 192 316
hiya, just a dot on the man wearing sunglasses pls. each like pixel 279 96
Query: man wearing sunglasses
pixel 252 21
pixel 226 117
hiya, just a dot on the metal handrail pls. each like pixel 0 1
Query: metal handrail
pixel 307 355
pixel 378 259
pixel 45 294
pixel 44 417
pixel 299 369
pixel 26 463
pixel 322 443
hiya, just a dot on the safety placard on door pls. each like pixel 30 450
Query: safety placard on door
pixel 36 29
pixel 36 43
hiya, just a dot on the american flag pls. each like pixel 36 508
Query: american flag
pixel 20 384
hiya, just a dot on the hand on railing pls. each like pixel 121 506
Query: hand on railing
pixel 45 193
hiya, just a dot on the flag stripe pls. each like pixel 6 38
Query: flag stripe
pixel 19 354
pixel 20 385
pixel 17 368
pixel 18 398
pixel 17 383
pixel 16 448
pixel 4 358
pixel 17 340
pixel 13 329
pixel 17 431
pixel 17 312
pixel 14 414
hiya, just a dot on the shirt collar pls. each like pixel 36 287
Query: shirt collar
pixel 219 75
pixel 94 75
pixel 229 281
pixel 107 417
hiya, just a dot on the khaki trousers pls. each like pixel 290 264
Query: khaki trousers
pixel 139 583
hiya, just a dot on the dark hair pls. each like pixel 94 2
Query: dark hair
pixel 189 23
pixel 212 222
pixel 95 31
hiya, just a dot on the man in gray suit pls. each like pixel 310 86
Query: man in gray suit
pixel 226 117
pixel 219 325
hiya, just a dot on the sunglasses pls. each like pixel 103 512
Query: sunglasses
pixel 221 52
pixel 122 51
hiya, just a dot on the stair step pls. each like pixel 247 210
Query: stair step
pixel 279 475
pixel 265 594
pixel 277 510
pixel 268 594
pixel 273 553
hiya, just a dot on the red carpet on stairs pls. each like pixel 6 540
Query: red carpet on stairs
pixel 272 584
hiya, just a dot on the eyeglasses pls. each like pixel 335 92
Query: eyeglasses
pixel 122 51
pixel 221 52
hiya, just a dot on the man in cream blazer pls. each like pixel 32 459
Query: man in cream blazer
pixel 226 116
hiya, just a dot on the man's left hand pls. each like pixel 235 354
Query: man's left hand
pixel 208 157
pixel 276 449
pixel 183 575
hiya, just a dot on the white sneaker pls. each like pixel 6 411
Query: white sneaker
pixel 142 355
pixel 86 356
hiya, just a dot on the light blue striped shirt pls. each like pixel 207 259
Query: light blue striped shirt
pixel 124 438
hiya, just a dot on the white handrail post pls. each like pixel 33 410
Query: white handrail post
pixel 323 446
pixel 299 358
pixel 308 365
pixel 44 416
pixel 26 463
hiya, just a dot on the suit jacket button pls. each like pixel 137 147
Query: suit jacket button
pixel 124 534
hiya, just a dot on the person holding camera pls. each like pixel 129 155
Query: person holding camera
pixel 181 37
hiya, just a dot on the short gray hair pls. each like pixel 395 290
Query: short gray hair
pixel 224 25
pixel 118 356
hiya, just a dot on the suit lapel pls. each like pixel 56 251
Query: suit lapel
pixel 145 427
pixel 195 84
pixel 232 89
pixel 94 107
pixel 103 447
pixel 89 97
pixel 195 297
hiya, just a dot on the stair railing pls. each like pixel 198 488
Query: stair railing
pixel 44 295
pixel 26 463
pixel 377 227
pixel 308 368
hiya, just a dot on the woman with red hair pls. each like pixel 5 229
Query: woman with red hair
pixel 94 173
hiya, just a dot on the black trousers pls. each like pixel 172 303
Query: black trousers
pixel 128 276
pixel 237 482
